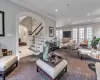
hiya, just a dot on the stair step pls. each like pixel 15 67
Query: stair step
pixel 32 45
pixel 37 51
pixel 42 41
pixel 31 49
pixel 39 44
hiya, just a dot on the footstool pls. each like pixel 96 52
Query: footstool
pixel 84 52
pixel 6 63
pixel 53 72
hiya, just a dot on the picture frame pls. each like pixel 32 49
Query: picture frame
pixel 2 24
pixel 51 31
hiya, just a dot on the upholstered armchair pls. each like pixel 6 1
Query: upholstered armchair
pixel 85 43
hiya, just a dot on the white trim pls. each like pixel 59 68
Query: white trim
pixel 17 24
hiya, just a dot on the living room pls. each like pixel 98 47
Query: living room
pixel 64 37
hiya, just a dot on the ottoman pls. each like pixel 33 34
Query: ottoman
pixel 84 52
pixel 52 72
pixel 6 62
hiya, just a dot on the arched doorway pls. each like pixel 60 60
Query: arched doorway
pixel 17 26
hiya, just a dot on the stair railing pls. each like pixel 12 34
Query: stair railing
pixel 39 31
pixel 35 29
pixel 36 38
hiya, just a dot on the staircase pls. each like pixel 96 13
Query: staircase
pixel 35 34
pixel 36 40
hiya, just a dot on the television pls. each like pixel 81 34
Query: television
pixel 66 34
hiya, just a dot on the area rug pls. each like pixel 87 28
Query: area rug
pixel 77 69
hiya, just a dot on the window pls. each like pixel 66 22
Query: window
pixel 75 34
pixel 81 34
pixel 89 33
pixel 59 34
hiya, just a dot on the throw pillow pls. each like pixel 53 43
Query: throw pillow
pixel 71 41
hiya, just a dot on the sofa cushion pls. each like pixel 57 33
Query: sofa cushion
pixel 7 61
pixel 1 53
pixel 65 40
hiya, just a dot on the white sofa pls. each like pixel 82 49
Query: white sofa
pixel 67 42
pixel 6 62
pixel 52 72
pixel 97 67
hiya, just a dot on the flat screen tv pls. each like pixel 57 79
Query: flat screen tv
pixel 66 34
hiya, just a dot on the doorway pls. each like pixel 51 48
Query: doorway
pixel 26 23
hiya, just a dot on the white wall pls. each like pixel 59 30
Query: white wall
pixel 23 33
pixel 11 11
pixel 96 29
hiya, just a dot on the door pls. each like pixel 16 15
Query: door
pixel 80 34
pixel 75 35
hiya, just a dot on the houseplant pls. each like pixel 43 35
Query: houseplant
pixel 94 43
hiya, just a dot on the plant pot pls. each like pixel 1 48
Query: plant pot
pixel 94 47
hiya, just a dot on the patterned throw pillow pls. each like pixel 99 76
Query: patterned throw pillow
pixel 1 53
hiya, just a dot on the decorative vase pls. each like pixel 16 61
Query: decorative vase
pixel 45 52
pixel 94 47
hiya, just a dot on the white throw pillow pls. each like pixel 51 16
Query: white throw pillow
pixel 71 41
pixel 1 53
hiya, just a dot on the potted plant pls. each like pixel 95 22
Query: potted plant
pixel 94 43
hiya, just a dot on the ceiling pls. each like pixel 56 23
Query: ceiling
pixel 28 21
pixel 68 11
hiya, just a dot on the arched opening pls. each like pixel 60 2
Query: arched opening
pixel 26 23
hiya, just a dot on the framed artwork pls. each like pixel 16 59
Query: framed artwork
pixel 2 26
pixel 51 31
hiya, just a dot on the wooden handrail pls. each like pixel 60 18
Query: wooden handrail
pixel 36 28
pixel 39 31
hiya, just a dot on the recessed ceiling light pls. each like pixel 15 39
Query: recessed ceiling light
pixel 69 19
pixel 67 5
pixel 88 14
pixel 89 20
pixel 56 10
pixel 73 23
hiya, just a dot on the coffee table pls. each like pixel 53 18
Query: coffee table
pixel 52 71
pixel 95 55
pixel 91 53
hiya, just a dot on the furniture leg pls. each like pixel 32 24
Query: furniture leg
pixel 81 57
pixel 16 63
pixel 66 69
pixel 37 69
pixel 3 75
pixel 78 54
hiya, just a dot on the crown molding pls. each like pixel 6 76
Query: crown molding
pixel 31 7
